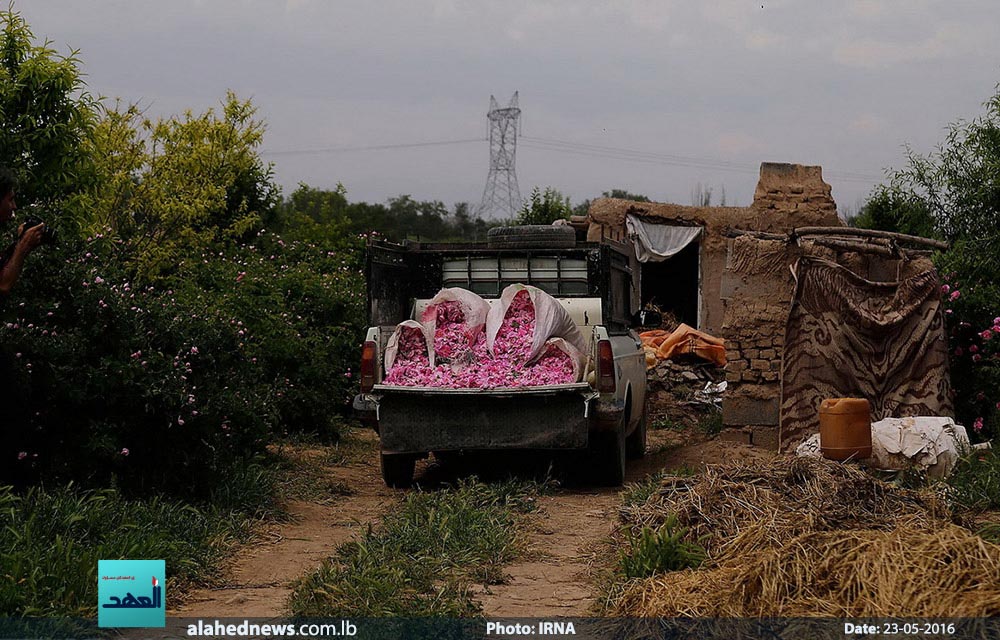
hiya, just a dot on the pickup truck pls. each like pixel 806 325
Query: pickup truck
pixel 603 416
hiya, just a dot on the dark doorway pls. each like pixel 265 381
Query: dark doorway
pixel 672 285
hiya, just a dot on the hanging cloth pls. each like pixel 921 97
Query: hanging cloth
pixel 657 242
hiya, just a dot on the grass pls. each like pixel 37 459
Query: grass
pixel 637 493
pixel 665 422
pixel 711 425
pixel 424 556
pixel 655 551
pixel 51 540
pixel 975 482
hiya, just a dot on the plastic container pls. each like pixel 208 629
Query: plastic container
pixel 845 429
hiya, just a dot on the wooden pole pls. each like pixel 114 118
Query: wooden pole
pixel 868 233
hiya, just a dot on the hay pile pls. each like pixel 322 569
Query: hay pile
pixel 808 537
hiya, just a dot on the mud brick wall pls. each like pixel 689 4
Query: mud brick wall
pixel 746 286
pixel 757 291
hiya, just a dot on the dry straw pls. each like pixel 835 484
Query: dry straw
pixel 808 537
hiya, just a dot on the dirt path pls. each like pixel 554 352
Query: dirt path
pixel 258 579
pixel 553 579
pixel 566 538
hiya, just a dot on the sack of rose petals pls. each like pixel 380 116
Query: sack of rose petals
pixel 455 318
pixel 541 317
pixel 409 347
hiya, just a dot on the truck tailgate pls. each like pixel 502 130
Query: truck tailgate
pixel 417 419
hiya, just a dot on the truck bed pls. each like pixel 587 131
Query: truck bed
pixel 420 419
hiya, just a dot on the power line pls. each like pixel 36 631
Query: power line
pixel 646 157
pixel 381 147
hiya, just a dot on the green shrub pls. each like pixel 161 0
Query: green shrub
pixel 664 549
pixel 167 386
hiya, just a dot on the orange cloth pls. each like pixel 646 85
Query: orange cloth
pixel 686 339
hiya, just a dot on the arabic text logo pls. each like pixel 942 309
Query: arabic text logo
pixel 130 593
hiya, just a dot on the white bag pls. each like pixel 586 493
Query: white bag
pixel 551 320
pixel 392 347
pixel 566 347
pixel 473 307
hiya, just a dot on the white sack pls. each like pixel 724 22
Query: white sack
pixel 929 443
pixel 473 307
pixel 551 320
pixel 575 355
pixel 392 347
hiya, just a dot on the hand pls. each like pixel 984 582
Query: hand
pixel 30 238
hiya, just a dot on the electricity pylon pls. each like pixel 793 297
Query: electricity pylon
pixel 501 197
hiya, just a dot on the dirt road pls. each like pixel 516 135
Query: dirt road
pixel 566 538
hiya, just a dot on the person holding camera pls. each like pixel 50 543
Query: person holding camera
pixel 12 261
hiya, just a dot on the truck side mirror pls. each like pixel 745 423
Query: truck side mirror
pixel 647 318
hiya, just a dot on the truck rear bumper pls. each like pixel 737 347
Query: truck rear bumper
pixel 410 421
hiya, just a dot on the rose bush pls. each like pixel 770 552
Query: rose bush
pixel 165 385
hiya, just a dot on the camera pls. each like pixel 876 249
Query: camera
pixel 48 233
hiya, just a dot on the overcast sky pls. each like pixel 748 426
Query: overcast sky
pixel 710 89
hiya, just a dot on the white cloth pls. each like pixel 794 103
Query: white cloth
pixel 657 242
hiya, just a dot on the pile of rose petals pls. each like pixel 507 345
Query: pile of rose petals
pixel 463 361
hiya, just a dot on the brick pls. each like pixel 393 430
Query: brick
pixel 770 376
pixel 751 354
pixel 775 365
pixel 733 376
pixel 760 365
pixel 768 354
pixel 747 411
pixel 749 376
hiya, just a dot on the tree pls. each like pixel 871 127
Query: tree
pixel 954 193
pixel 47 117
pixel 624 195
pixel 893 210
pixel 170 188
pixel 544 207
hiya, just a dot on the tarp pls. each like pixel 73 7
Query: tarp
pixel 657 242
pixel 685 339
pixel 848 337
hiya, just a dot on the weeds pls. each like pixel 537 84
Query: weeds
pixel 50 541
pixel 975 481
pixel 711 425
pixel 639 492
pixel 665 422
pixel 664 549
pixel 424 557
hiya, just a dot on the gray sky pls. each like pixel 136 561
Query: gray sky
pixel 714 84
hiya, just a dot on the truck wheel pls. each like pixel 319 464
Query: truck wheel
pixel 608 450
pixel 531 236
pixel 635 444
pixel 397 470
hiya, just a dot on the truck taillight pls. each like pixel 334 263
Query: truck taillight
pixel 367 367
pixel 605 367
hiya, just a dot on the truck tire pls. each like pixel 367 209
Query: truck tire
pixel 397 470
pixel 635 444
pixel 608 452
pixel 531 236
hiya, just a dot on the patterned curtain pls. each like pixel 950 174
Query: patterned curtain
pixel 849 337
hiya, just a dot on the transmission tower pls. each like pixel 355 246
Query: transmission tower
pixel 501 197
